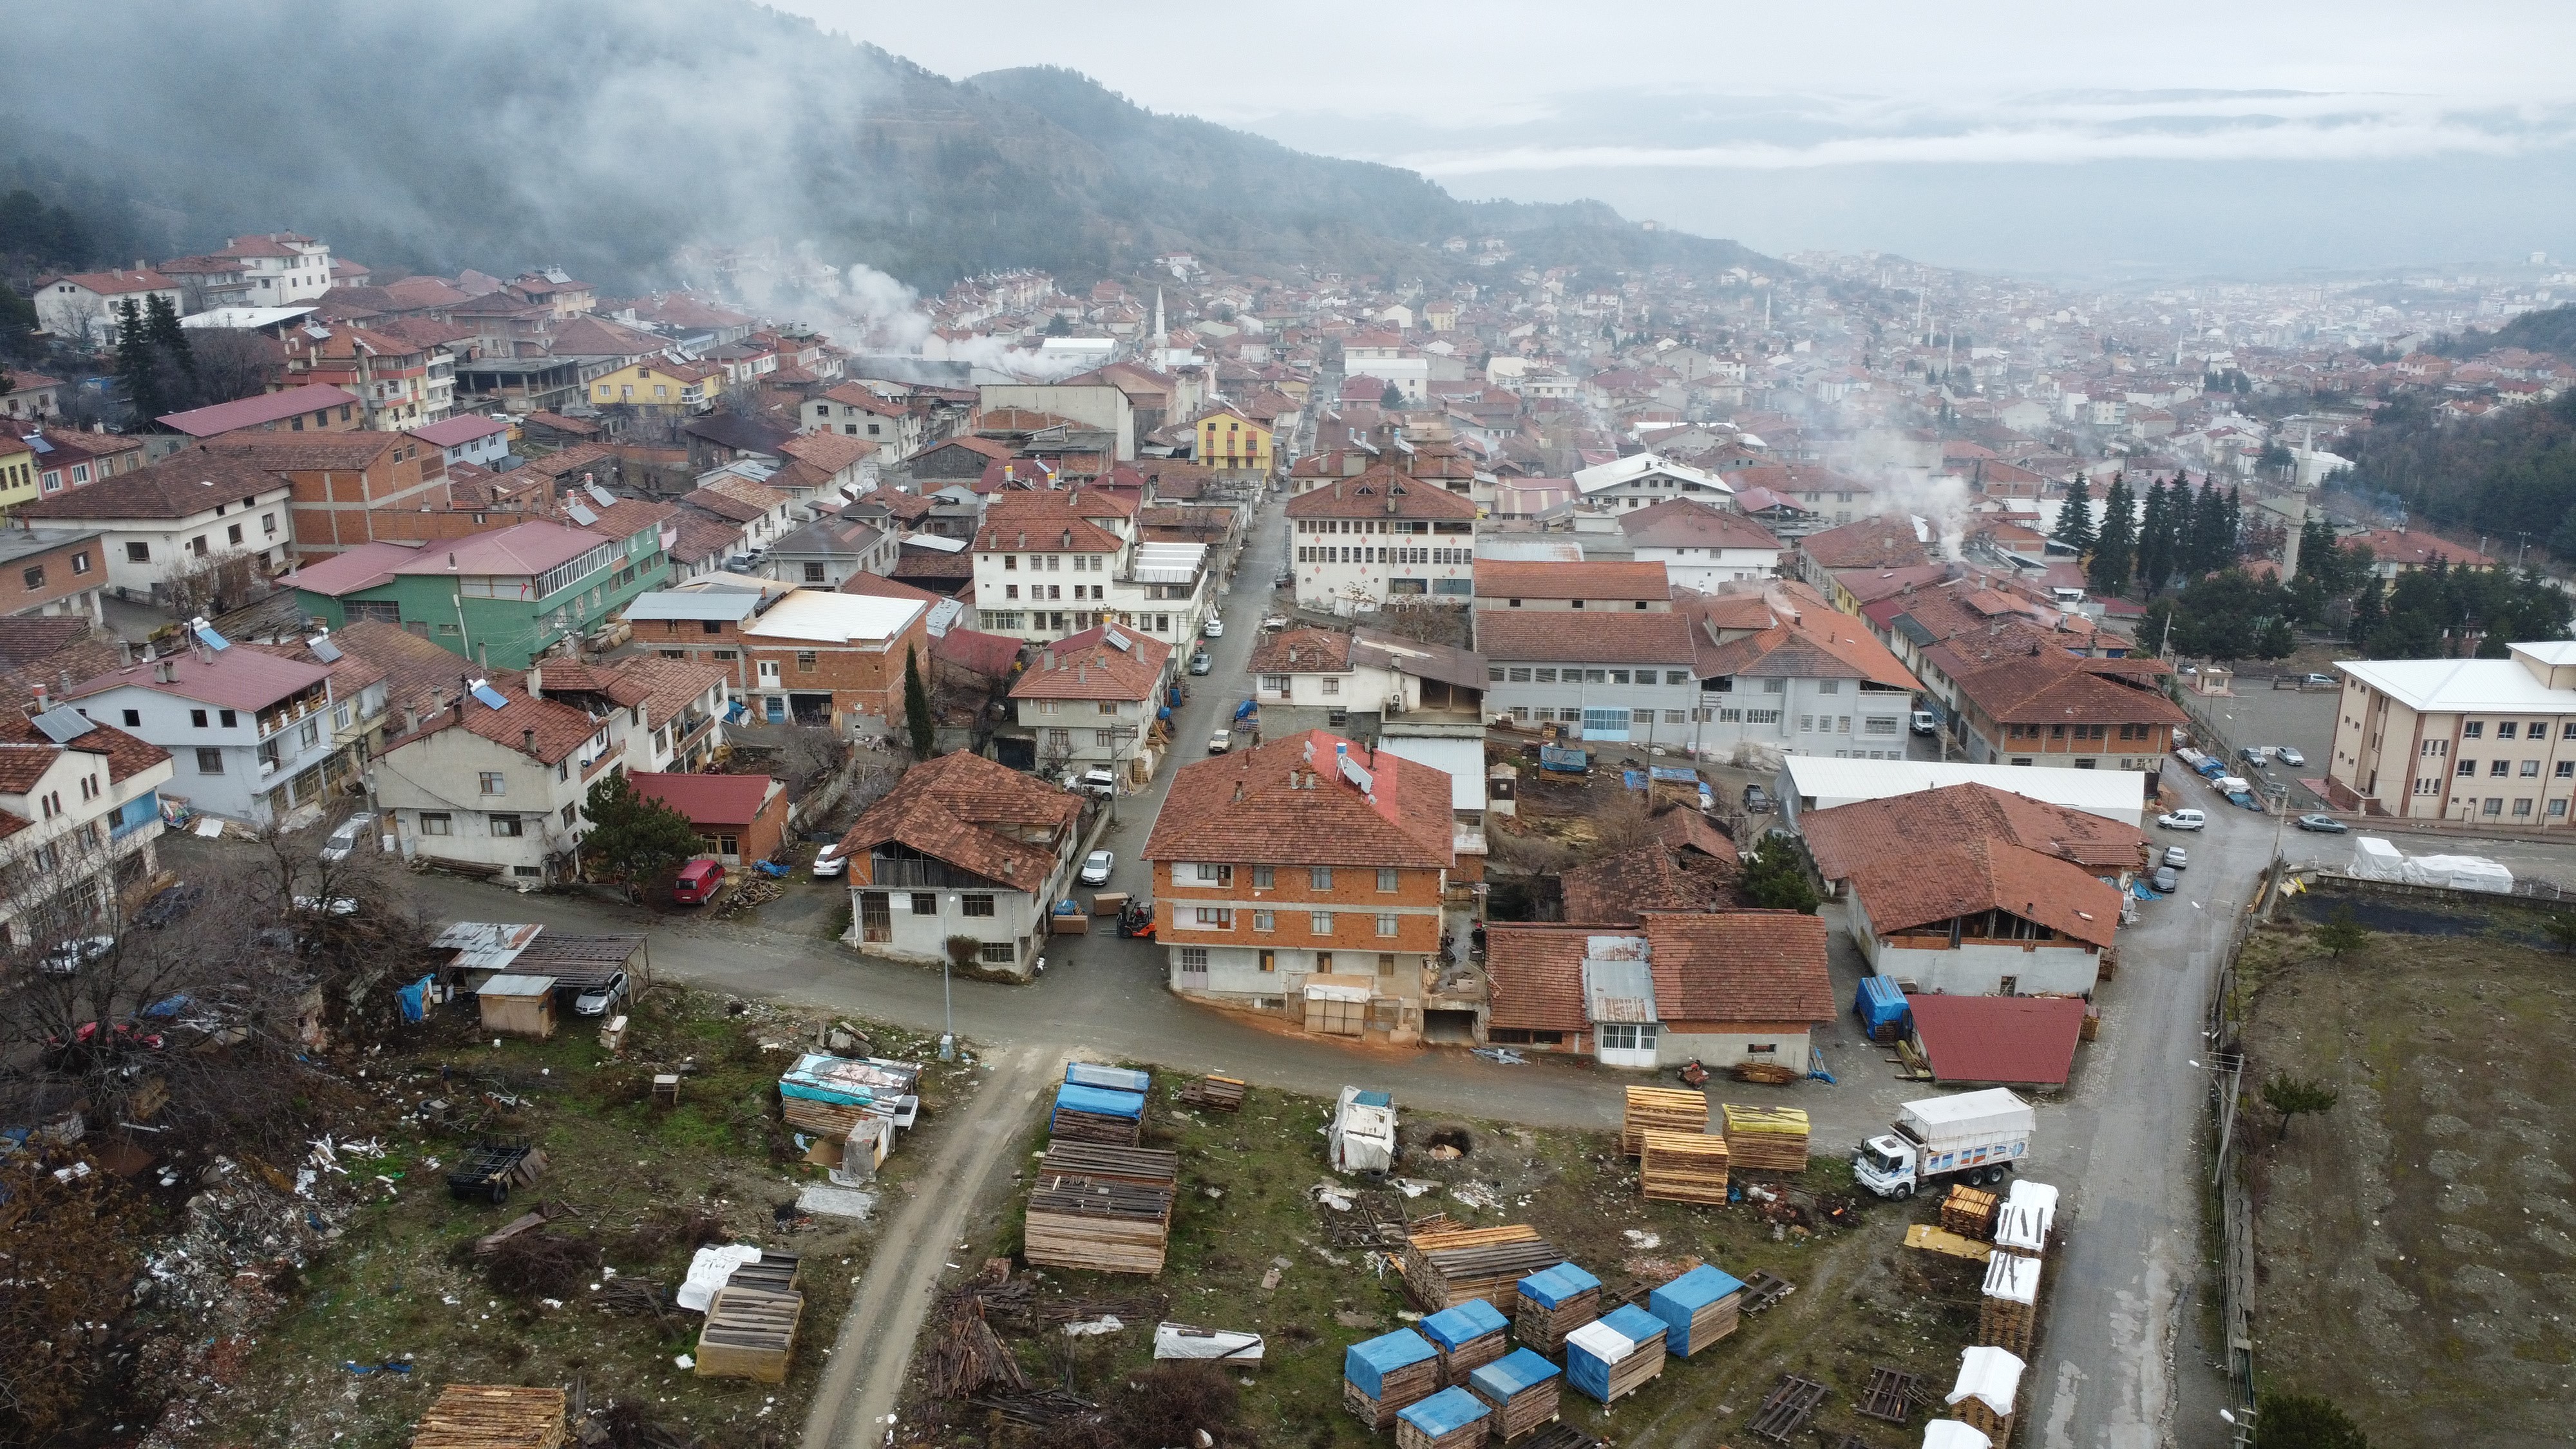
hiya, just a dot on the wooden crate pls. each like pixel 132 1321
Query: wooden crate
pixel 1969 1212
pixel 492 1416
pixel 1217 1094
pixel 1450 1266
pixel 1472 1350
pixel 1765 1139
pixel 1685 1167
pixel 1104 1225
pixel 1660 1109
pixel 1524 1409
pixel 750 1333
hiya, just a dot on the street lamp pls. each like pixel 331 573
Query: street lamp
pixel 947 1004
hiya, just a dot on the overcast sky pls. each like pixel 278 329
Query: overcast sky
pixel 2243 138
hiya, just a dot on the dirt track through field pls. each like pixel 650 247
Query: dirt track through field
pixel 864 1378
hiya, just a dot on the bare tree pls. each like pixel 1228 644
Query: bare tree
pixel 232 363
pixel 212 582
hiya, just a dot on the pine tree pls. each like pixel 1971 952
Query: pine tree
pixel 916 705
pixel 2369 610
pixel 168 338
pixel 137 371
pixel 2231 533
pixel 2155 539
pixel 2075 517
pixel 2115 542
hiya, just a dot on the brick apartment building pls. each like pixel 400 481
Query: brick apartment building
pixel 808 656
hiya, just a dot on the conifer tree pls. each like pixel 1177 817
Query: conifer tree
pixel 2075 517
pixel 2115 542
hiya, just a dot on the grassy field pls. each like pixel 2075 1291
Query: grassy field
pixel 2416 1246
pixel 1247 1208
pixel 645 1184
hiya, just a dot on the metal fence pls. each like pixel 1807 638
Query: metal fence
pixel 2226 1066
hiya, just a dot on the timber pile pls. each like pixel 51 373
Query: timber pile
pixel 1684 1167
pixel 2009 1312
pixel 1217 1094
pixel 774 1273
pixel 965 1355
pixel 1765 1139
pixel 1386 1374
pixel 1144 1166
pixel 1073 1126
pixel 1698 1308
pixel 1988 1386
pixel 1968 1211
pixel 1557 1301
pixel 1449 1419
pixel 1562 1436
pixel 750 1334
pixel 1097 1223
pixel 490 1416
pixel 1523 1389
pixel 1660 1109
pixel 1466 1337
pixel 1943 1241
pixel 1446 1268
pixel 1766 1074
pixel 1616 1354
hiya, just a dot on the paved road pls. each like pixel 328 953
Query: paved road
pixel 864 1380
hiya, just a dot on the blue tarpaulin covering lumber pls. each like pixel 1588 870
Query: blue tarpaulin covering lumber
pixel 1880 1003
pixel 1469 1321
pixel 1099 1101
pixel 1445 1412
pixel 1116 1079
pixel 1551 1287
pixel 1677 1301
pixel 1609 1339
pixel 1520 1369
pixel 1366 1364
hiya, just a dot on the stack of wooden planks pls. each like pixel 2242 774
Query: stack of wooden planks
pixel 492 1416
pixel 1523 1389
pixel 2009 1312
pixel 1968 1211
pixel 1698 1308
pixel 1105 1224
pixel 1616 1354
pixel 1554 1302
pixel 1467 1337
pixel 1765 1139
pixel 1386 1374
pixel 750 1333
pixel 1145 1166
pixel 1989 1384
pixel 1660 1109
pixel 774 1273
pixel 1450 1266
pixel 1684 1167
pixel 1074 1126
pixel 1217 1094
pixel 1449 1419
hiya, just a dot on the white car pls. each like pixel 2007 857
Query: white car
pixel 69 957
pixel 1214 628
pixel 597 1003
pixel 2176 858
pixel 1094 782
pixel 1222 742
pixel 1924 723
pixel 1096 867
pixel 829 863
pixel 2183 820
pixel 2289 756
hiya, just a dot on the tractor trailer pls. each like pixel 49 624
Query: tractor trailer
pixel 1972 1137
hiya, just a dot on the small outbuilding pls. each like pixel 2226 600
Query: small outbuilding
pixel 2012 1041
pixel 517 1005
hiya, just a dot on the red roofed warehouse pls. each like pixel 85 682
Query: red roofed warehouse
pixel 739 817
pixel 1308 876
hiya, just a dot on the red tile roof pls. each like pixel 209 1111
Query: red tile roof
pixel 1689 523
pixel 1536 974
pixel 1088 666
pixel 971 813
pixel 229 678
pixel 1740 966
pixel 1925 857
pixel 707 799
pixel 2006 1040
pixel 1301 651
pixel 251 412
pixel 1555 636
pixel 1286 803
pixel 1870 543
pixel 1369 494
pixel 1605 579
pixel 1820 644
pixel 1612 890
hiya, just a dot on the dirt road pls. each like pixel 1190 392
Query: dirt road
pixel 865 1375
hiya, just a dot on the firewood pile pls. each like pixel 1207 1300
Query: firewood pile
pixel 965 1355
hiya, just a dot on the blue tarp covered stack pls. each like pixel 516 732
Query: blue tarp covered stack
pixel 1697 1309
pixel 1388 1373
pixel 1116 1079
pixel 1467 1336
pixel 1449 1419
pixel 1880 1005
pixel 828 1094
pixel 1617 1354
pixel 1522 1388
pixel 1098 1114
pixel 1555 1302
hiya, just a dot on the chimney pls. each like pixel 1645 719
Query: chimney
pixel 411 719
pixel 458 705
pixel 125 653
pixel 528 740
pixel 536 682
pixel 42 703
pixel 1238 790
pixel 165 671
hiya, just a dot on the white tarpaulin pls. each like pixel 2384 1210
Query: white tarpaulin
pixel 1363 1135
pixel 1182 1340
pixel 1992 1375
pixel 2460 872
pixel 2026 1217
pixel 2013 1278
pixel 1601 1341
pixel 709 1270
pixel 1951 1434
pixel 2373 858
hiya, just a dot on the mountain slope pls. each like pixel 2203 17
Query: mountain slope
pixel 608 138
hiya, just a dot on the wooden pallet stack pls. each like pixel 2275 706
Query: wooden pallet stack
pixel 1105 1224
pixel 1468 1336
pixel 2009 1313
pixel 1698 1308
pixel 492 1416
pixel 1384 1375
pixel 1989 1382
pixel 1097 1114
pixel 750 1333
pixel 1616 1354
pixel 771 1272
pixel 1144 1166
pixel 1523 1390
pixel 1553 1303
pixel 1660 1109
pixel 1969 1211
pixel 1684 1167
pixel 1765 1139
pixel 1450 1419
pixel 1447 1267
pixel 1215 1093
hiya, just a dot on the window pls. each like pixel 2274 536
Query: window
pixel 2557 809
pixel 813 573
pixel 1194 960
pixel 1214 918
pixel 34 577
pixel 979 904
pixel 232 535
pixel 2474 729
pixel 1386 877
pixel 1275 683
pixel 1879 725
pixel 1548 676
pixel 1626 1037
pixel 1319 877
pixel 925 903
pixel 227 718
pixel 2434 749
pixel 2530 769
pixel 1386 963
pixel 1321 923
pixel 2567 769
pixel 436 823
pixel 1829 686
pixel 2468 767
pixel 2522 806
pixel 197 717
pixel 806 662
pixel 2504 729
pixel 2496 769
pixel 268 525
pixel 133 719
pixel 1332 685
pixel 568 812
pixel 1388 923
pixel 505 825
pixel 2494 806
pixel 1265 920
pixel 138 553
pixel 1775 686
pixel 997 953
pixel 493 783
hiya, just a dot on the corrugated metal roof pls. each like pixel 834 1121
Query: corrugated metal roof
pixel 723 605
pixel 2028 1040
pixel 1618 984
pixel 516 986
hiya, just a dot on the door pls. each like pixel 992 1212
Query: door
pixel 876 919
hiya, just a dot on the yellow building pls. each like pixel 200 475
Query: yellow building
pixel 17 471
pixel 1229 442
pixel 659 385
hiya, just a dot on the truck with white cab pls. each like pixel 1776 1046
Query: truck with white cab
pixel 1972 1137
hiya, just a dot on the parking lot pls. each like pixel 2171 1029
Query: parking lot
pixel 2302 719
